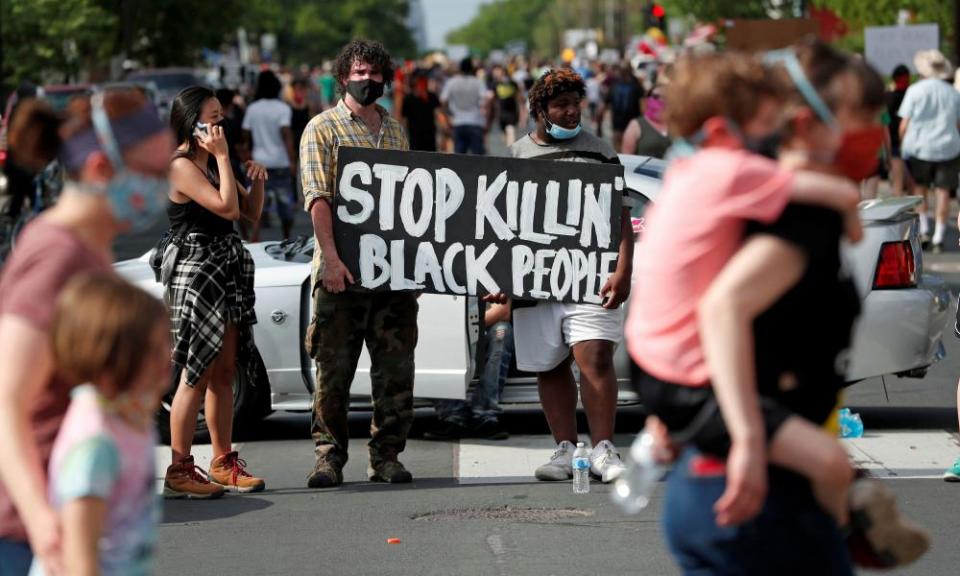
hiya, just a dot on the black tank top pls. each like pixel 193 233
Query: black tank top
pixel 651 142
pixel 192 217
pixel 805 336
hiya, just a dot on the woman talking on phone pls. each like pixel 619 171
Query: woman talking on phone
pixel 208 284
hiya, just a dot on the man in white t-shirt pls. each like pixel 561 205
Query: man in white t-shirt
pixel 930 138
pixel 267 124
pixel 550 336
pixel 467 101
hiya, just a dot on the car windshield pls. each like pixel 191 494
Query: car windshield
pixel 168 81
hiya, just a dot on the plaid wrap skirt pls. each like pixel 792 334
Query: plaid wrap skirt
pixel 209 284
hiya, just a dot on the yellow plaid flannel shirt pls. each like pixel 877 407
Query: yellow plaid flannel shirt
pixel 321 140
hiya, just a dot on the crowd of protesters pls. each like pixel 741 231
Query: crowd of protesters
pixel 740 406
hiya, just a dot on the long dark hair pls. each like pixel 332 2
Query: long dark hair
pixel 185 113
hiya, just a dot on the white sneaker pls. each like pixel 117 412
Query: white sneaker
pixel 560 466
pixel 605 462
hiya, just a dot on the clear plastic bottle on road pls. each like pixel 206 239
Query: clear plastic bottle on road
pixel 581 469
pixel 631 492
pixel 850 424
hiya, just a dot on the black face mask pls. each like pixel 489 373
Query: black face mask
pixel 768 145
pixel 366 92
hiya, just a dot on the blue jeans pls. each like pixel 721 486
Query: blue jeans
pixel 484 402
pixel 468 139
pixel 15 557
pixel 792 534
pixel 278 190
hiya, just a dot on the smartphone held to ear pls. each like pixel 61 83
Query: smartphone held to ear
pixel 201 129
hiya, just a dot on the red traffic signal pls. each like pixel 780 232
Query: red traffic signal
pixel 658 11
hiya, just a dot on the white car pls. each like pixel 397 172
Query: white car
pixel 904 313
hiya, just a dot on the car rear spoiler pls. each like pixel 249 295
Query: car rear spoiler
pixel 885 209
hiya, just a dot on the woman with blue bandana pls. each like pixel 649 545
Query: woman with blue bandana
pixel 115 151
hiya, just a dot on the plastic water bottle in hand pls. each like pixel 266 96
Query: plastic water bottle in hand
pixel 581 469
pixel 631 492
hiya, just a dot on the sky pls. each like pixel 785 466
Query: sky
pixel 443 16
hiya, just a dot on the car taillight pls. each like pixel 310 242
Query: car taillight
pixel 896 267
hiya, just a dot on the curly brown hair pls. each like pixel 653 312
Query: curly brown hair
pixel 369 51
pixel 730 85
pixel 552 84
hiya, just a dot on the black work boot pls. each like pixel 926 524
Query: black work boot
pixel 327 473
pixel 389 470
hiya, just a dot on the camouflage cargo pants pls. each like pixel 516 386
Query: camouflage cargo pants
pixel 341 324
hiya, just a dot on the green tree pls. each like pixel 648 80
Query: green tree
pixel 712 10
pixel 173 32
pixel 53 40
pixel 859 14
pixel 500 22
pixel 309 31
pixel 321 27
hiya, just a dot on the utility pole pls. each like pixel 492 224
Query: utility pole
pixel 620 26
pixel 956 30
pixel 126 25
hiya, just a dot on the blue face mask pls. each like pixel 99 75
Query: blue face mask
pixel 135 199
pixel 561 133
pixel 685 147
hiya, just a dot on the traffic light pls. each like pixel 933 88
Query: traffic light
pixel 655 16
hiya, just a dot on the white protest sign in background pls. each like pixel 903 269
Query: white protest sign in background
pixel 889 46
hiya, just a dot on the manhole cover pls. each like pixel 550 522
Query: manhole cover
pixel 508 513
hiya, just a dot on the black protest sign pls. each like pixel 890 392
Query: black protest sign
pixel 457 224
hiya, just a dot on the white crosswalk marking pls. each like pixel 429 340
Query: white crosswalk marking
pixel 893 454
pixel 202 455
pixel 491 462
pixel 910 454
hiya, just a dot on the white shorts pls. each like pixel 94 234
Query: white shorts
pixel 543 334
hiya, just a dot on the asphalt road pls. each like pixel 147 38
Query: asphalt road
pixel 473 508
pixel 450 522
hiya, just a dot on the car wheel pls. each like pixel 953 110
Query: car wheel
pixel 251 403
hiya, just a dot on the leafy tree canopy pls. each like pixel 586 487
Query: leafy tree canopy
pixel 60 36
pixel 501 22
pixel 54 40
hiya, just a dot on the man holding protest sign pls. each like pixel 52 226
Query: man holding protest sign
pixel 547 332
pixel 344 318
